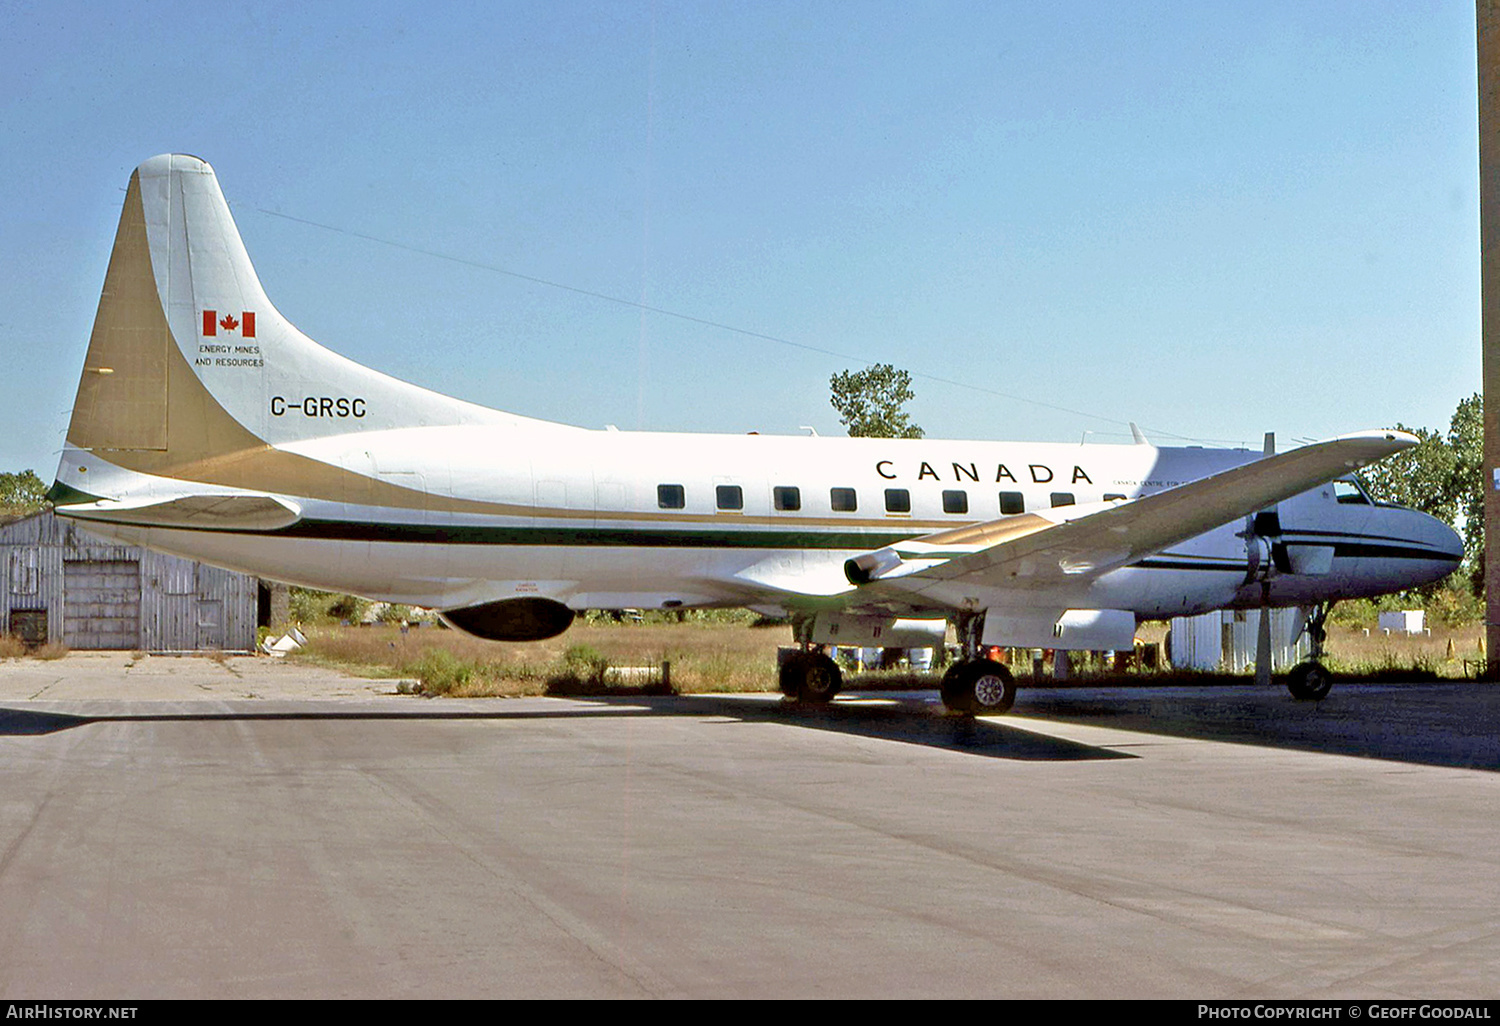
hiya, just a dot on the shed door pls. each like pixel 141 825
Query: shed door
pixel 211 623
pixel 102 604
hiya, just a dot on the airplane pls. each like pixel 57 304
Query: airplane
pixel 207 426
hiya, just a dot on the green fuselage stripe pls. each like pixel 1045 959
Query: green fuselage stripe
pixel 622 537
pixel 679 538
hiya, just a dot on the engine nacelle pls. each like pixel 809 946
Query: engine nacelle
pixel 864 569
pixel 517 619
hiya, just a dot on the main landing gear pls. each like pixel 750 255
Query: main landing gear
pixel 1311 681
pixel 975 685
pixel 809 675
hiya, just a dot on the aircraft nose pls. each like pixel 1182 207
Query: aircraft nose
pixel 1443 538
pixel 1452 541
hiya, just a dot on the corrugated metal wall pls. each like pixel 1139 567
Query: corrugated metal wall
pixel 1226 639
pixel 94 593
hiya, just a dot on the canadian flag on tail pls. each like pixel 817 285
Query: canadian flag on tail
pixel 212 322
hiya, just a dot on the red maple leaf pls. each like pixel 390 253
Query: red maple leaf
pixel 228 323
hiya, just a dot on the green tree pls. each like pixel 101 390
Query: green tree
pixel 1419 478
pixel 870 402
pixel 1466 481
pixel 22 492
pixel 1443 476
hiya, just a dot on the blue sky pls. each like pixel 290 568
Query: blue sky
pixel 1213 219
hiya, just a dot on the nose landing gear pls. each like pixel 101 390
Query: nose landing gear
pixel 1310 680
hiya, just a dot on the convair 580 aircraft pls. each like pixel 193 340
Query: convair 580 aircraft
pixel 207 426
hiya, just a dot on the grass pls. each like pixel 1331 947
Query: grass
pixel 1447 654
pixel 12 647
pixel 703 657
pixel 731 657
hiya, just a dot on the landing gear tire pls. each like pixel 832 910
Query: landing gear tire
pixel 1309 682
pixel 787 674
pixel 811 677
pixel 952 688
pixel 979 687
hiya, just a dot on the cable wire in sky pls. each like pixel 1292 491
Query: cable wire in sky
pixel 746 332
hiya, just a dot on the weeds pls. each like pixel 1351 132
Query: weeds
pixel 308 606
pixel 441 672
pixel 12 647
pixel 584 664
pixel 705 656
pixel 625 658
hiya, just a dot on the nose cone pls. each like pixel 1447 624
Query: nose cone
pixel 1403 548
pixel 1448 542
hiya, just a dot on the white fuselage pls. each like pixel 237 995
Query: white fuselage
pixel 592 519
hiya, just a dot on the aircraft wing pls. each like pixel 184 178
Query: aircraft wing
pixel 1042 548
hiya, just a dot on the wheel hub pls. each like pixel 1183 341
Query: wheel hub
pixel 989 690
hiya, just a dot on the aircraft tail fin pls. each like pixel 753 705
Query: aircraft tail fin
pixel 190 363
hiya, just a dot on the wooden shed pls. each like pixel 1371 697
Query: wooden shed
pixel 64 584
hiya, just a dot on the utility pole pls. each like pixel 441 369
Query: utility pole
pixel 1487 22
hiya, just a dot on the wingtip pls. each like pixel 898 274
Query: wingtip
pixel 1398 440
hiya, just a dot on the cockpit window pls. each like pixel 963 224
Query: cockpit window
pixel 1347 491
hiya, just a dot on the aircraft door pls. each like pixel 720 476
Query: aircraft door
pixel 403 556
pixel 563 510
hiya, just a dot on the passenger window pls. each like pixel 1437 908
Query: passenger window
pixel 843 500
pixel 670 496
pixel 787 498
pixel 730 497
pixel 1012 502
pixel 897 500
pixel 1062 499
pixel 955 501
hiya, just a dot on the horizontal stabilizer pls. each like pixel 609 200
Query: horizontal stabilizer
pixel 206 512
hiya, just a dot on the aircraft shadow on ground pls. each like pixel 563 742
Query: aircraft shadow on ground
pixel 909 721
pixel 1451 724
